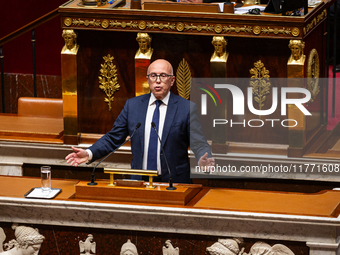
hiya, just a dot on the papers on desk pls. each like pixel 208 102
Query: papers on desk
pixel 245 9
pixel 38 193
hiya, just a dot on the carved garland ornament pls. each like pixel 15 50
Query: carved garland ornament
pixel 180 27
pixel 315 21
pixel 313 74
pixel 260 83
pixel 108 79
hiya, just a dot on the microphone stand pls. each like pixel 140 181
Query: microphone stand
pixel 92 183
pixel 171 187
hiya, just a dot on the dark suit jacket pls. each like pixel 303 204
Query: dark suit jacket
pixel 175 137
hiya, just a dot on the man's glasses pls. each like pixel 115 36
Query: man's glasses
pixel 163 77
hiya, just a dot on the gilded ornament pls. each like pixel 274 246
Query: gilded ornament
pixel 144 51
pixel 183 79
pixel 70 38
pixel 220 53
pixel 228 29
pixel 295 31
pixel 108 79
pixel 123 24
pixel 79 22
pixel 142 25
pixel 313 74
pixel 105 23
pixel 180 26
pixel 315 21
pixel 260 83
pixel 276 31
pixel 297 57
pixel 257 30
pixel 218 28
pixel 68 22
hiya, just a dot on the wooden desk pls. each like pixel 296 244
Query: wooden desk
pixel 322 204
pixel 307 223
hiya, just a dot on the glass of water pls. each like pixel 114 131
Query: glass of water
pixel 45 178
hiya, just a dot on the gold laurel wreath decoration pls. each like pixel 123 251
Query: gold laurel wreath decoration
pixel 260 82
pixel 183 79
pixel 108 79
pixel 313 74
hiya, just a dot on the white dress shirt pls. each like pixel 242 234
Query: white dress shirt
pixel 148 120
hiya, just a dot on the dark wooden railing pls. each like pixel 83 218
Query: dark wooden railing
pixel 29 27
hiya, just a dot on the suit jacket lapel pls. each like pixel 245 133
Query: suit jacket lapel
pixel 169 118
pixel 142 109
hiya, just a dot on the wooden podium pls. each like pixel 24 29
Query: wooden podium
pixel 159 195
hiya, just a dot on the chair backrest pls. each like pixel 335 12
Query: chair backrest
pixel 40 107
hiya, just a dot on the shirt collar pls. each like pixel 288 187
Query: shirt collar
pixel 165 99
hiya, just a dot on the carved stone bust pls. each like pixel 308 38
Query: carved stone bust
pixel 225 247
pixel 128 249
pixel 27 241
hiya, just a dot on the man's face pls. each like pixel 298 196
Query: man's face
pixel 69 41
pixel 219 48
pixel 143 45
pixel 296 52
pixel 160 88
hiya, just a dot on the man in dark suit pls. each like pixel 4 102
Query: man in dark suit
pixel 177 123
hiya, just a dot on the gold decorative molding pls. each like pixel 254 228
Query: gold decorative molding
pixel 186 27
pixel 161 26
pixel 142 25
pixel 183 79
pixel 86 23
pixel 244 29
pixel 68 22
pixel 276 31
pixel 199 28
pixel 108 79
pixel 105 23
pixel 124 24
pixel 259 82
pixel 315 21
pixel 295 31
pixel 313 74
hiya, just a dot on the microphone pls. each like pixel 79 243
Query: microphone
pixel 92 183
pixel 171 187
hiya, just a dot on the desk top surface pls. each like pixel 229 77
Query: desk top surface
pixel 322 204
pixel 197 23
